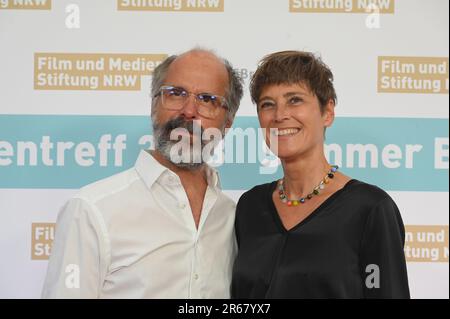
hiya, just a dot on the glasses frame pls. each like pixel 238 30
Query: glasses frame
pixel 198 98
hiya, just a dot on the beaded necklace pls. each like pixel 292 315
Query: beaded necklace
pixel 316 190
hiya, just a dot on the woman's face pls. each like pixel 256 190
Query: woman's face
pixel 295 111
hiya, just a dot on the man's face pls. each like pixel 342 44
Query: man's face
pixel 195 72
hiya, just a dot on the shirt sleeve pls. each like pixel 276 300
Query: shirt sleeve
pixel 78 260
pixel 383 264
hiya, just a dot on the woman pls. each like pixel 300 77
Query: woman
pixel 316 233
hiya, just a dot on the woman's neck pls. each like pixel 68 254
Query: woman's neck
pixel 303 174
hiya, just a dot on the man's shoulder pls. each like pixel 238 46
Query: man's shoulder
pixel 227 199
pixel 107 186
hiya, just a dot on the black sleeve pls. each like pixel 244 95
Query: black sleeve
pixel 239 211
pixel 383 264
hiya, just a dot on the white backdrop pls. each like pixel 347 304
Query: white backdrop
pixel 413 114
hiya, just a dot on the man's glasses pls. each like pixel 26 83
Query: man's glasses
pixel 174 98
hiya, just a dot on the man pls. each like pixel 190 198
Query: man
pixel 162 229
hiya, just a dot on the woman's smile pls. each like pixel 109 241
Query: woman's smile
pixel 286 132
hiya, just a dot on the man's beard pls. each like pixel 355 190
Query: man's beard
pixel 184 155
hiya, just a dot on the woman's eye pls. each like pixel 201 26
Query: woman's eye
pixel 295 100
pixel 265 105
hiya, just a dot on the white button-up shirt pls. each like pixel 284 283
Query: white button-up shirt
pixel 133 235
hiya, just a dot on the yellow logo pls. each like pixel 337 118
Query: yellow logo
pixel 342 6
pixel 412 75
pixel 422 243
pixel 111 72
pixel 171 5
pixel 42 236
pixel 26 4
pixel 426 244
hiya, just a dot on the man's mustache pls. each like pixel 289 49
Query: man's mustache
pixel 180 123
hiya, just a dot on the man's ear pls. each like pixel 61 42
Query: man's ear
pixel 229 123
pixel 328 113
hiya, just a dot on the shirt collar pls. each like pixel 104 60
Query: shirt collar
pixel 150 170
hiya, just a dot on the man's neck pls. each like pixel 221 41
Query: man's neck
pixel 185 175
pixel 194 183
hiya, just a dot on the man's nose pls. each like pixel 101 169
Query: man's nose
pixel 190 108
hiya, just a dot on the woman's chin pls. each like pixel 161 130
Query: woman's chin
pixel 285 154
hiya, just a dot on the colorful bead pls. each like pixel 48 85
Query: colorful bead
pixel 316 191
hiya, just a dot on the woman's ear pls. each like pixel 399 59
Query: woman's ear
pixel 328 113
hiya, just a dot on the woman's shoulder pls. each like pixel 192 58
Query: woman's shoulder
pixel 256 193
pixel 366 192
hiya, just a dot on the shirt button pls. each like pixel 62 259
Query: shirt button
pixel 196 276
pixel 182 205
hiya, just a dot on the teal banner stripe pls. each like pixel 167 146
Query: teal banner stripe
pixel 418 173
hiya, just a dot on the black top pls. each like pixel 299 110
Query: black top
pixel 354 237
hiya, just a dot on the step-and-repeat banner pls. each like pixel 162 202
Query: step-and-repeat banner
pixel 75 106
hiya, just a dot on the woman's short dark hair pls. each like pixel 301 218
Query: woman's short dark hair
pixel 294 67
